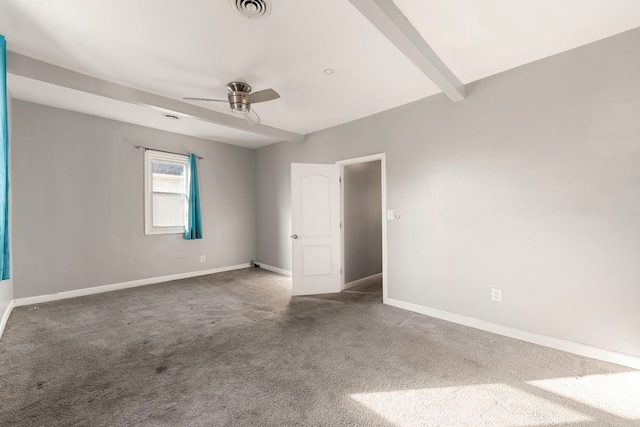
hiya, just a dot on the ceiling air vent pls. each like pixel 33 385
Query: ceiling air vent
pixel 254 9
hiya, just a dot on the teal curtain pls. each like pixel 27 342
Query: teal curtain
pixel 4 165
pixel 194 223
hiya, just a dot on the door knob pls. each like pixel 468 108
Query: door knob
pixel 294 236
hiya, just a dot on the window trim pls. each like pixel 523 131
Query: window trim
pixel 149 157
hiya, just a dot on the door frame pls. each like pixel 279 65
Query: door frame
pixel 383 208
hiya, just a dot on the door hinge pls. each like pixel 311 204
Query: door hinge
pixel 340 225
pixel 340 178
pixel 340 271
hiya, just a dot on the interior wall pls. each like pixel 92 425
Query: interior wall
pixel 6 286
pixel 6 296
pixel 531 185
pixel 78 213
pixel 362 186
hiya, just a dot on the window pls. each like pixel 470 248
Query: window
pixel 166 192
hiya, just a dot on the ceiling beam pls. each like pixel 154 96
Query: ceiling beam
pixel 25 66
pixel 392 23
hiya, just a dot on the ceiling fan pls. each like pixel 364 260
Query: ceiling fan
pixel 240 99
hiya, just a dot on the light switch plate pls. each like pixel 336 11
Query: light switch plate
pixel 390 215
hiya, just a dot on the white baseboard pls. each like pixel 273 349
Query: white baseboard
pixel 117 286
pixel 274 269
pixel 532 337
pixel 5 317
pixel 361 281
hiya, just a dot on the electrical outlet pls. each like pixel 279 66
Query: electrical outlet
pixel 202 258
pixel 496 294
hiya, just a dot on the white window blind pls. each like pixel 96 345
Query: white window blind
pixel 169 194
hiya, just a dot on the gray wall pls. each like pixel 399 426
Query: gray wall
pixel 78 210
pixel 531 184
pixel 6 286
pixel 362 220
pixel 6 295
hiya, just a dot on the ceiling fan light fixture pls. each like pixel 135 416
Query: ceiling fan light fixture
pixel 252 9
pixel 238 100
pixel 240 108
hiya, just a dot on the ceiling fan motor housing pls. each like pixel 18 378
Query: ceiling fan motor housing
pixel 238 97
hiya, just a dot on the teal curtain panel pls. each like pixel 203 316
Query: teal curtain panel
pixel 4 165
pixel 194 224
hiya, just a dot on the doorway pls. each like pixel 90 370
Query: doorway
pixel 318 238
pixel 363 219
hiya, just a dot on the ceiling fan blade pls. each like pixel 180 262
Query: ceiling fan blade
pixel 252 117
pixel 263 95
pixel 206 99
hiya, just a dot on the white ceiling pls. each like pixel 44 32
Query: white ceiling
pixel 194 48
pixel 477 39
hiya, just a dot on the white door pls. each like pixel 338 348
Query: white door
pixel 315 210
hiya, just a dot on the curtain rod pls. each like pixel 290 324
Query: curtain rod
pixel 163 151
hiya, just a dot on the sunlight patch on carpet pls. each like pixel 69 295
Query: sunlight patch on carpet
pixel 617 394
pixel 496 405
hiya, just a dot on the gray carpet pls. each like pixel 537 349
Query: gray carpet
pixel 234 349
